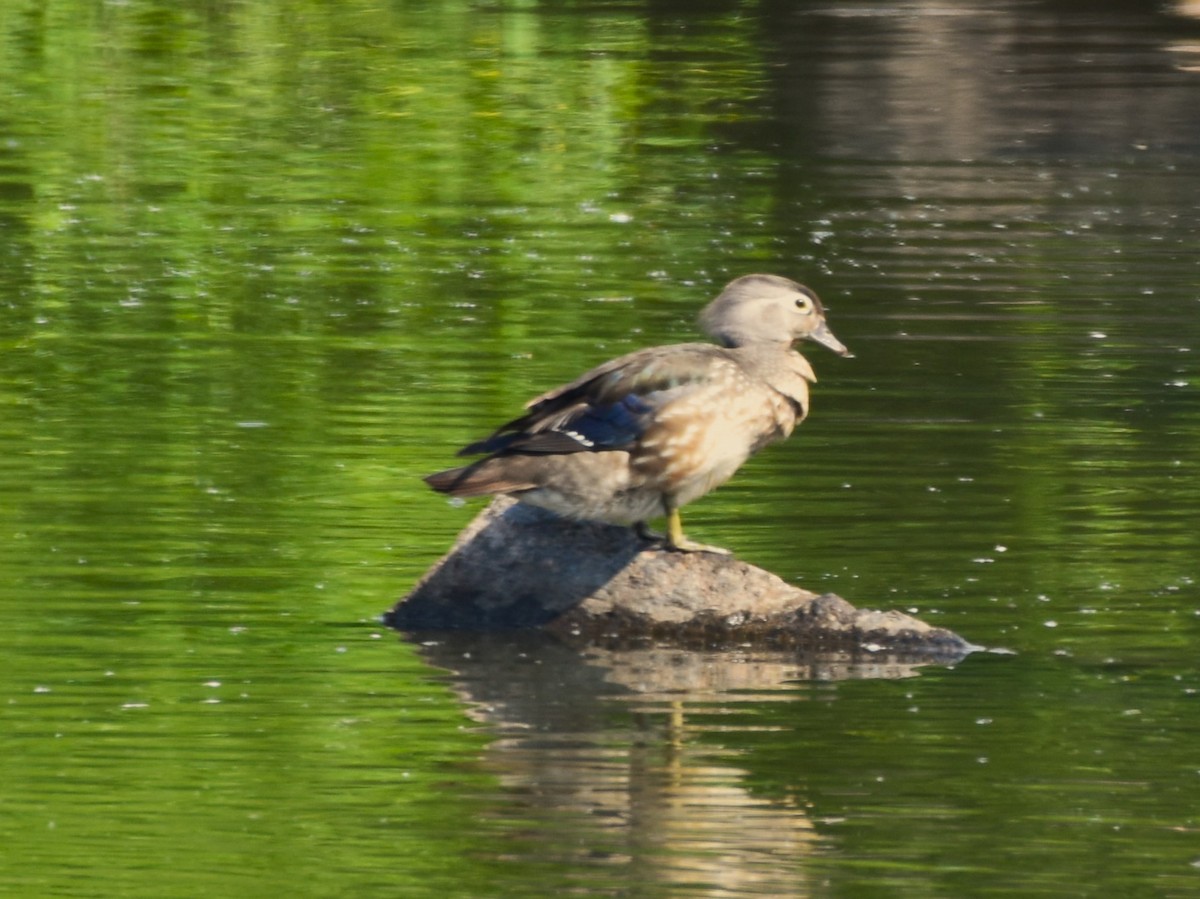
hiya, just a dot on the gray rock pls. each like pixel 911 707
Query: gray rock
pixel 516 566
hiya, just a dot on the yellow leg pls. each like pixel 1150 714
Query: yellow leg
pixel 676 540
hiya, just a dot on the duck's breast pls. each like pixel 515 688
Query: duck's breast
pixel 700 438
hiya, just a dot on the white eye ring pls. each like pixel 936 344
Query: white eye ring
pixel 804 304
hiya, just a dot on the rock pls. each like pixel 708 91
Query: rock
pixel 516 566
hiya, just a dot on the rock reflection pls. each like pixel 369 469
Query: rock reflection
pixel 618 754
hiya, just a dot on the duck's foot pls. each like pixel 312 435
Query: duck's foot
pixel 689 546
pixel 676 541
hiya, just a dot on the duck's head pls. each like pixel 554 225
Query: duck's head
pixel 768 309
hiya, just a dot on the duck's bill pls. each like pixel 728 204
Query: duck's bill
pixel 825 338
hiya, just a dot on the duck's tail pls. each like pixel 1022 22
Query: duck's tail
pixel 486 477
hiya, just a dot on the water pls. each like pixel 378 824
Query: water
pixel 261 266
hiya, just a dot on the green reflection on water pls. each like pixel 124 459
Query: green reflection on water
pixel 262 265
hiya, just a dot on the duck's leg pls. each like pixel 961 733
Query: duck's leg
pixel 644 531
pixel 676 540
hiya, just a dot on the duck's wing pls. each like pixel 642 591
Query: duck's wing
pixel 610 406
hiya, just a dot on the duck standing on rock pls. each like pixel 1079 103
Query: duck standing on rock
pixel 645 434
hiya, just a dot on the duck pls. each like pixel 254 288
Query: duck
pixel 640 436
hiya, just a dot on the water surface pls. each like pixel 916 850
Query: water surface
pixel 263 265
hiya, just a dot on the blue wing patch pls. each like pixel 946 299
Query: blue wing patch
pixel 612 425
pixel 594 428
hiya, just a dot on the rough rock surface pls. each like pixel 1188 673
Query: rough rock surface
pixel 516 566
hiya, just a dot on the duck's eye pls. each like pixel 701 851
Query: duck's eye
pixel 804 304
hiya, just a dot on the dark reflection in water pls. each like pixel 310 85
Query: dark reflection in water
pixel 936 81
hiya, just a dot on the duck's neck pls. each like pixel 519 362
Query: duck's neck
pixel 733 339
pixel 779 366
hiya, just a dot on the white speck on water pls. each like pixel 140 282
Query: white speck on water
pixel 1051 623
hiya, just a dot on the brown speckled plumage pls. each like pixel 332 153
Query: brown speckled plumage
pixel 643 435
